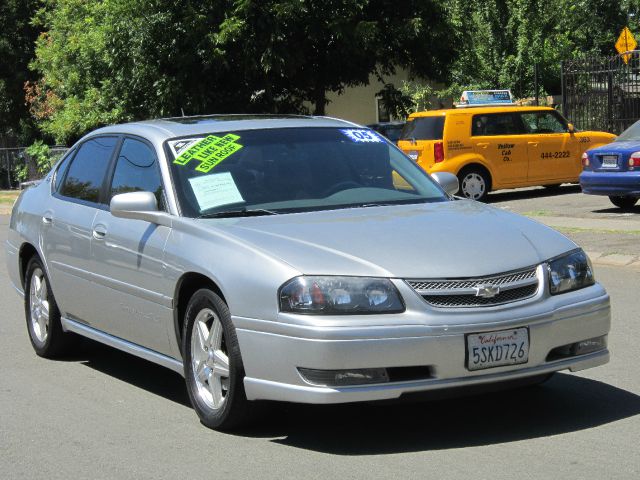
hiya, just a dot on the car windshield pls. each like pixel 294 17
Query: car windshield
pixel 272 171
pixel 631 134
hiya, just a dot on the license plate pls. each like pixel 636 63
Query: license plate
pixel 609 161
pixel 496 349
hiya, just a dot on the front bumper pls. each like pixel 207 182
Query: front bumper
pixel 611 183
pixel 273 352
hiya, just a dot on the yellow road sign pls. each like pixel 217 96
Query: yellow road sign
pixel 626 43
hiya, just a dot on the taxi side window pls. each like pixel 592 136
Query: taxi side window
pixel 495 124
pixel 137 170
pixel 542 122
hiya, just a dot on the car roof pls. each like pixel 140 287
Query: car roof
pixel 476 110
pixel 165 128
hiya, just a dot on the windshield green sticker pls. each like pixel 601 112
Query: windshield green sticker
pixel 210 151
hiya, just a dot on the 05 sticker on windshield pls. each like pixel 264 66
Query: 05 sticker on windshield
pixel 209 151
pixel 362 136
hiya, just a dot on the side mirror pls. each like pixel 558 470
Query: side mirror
pixel 571 128
pixel 448 181
pixel 139 206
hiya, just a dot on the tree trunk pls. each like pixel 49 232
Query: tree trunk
pixel 320 100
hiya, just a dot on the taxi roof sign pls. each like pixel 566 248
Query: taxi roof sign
pixel 626 43
pixel 477 98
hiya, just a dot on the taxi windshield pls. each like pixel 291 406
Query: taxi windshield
pixel 631 134
pixel 287 170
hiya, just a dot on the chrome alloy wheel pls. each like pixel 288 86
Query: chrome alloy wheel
pixel 209 359
pixel 39 305
pixel 473 186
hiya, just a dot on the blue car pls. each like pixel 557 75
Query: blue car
pixel 614 169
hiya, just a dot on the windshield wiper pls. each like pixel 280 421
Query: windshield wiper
pixel 241 212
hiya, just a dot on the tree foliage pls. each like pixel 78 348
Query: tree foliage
pixel 115 60
pixel 108 61
pixel 16 50
pixel 504 39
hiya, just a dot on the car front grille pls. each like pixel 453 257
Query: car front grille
pixel 478 292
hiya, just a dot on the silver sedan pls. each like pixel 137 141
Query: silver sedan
pixel 296 259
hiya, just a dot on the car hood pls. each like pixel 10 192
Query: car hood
pixel 435 240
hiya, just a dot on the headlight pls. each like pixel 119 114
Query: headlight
pixel 340 296
pixel 570 272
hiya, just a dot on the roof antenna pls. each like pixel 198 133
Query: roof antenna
pixel 182 110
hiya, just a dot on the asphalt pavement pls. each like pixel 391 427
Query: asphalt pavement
pixel 101 413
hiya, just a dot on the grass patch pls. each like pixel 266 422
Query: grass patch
pixel 595 230
pixel 7 197
pixel 538 213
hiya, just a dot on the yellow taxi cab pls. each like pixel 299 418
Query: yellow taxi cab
pixel 490 143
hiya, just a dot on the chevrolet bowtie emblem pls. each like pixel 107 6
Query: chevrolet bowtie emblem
pixel 486 290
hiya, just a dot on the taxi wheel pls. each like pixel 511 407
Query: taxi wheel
pixel 475 183
pixel 625 203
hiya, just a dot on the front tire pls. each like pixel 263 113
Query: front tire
pixel 212 363
pixel 626 203
pixel 475 183
pixel 42 313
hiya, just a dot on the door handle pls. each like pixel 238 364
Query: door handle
pixel 99 232
pixel 482 144
pixel 533 144
pixel 47 217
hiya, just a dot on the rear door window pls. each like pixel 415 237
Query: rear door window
pixel 424 128
pixel 489 124
pixel 87 171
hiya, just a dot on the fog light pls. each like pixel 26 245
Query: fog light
pixel 578 348
pixel 342 378
pixel 591 345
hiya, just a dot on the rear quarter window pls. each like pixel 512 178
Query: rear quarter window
pixel 424 128
pixel 84 177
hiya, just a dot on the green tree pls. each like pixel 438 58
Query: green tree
pixel 504 39
pixel 17 37
pixel 300 50
pixel 115 60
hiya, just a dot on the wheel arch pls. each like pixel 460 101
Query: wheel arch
pixel 188 284
pixel 27 251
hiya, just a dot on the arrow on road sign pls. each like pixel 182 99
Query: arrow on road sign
pixel 626 43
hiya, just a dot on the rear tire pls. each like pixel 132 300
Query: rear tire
pixel 212 363
pixel 42 313
pixel 626 203
pixel 475 183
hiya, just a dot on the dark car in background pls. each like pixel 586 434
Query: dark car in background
pixel 614 169
pixel 391 130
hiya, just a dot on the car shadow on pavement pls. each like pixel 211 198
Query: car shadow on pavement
pixel 133 370
pixel 567 403
pixel 619 211
pixel 507 195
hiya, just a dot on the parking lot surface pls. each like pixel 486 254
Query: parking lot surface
pixel 104 414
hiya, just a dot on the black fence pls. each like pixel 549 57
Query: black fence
pixel 11 159
pixel 602 93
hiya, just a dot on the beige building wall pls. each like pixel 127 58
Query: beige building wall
pixel 359 104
